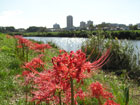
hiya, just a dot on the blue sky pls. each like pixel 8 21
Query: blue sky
pixel 25 13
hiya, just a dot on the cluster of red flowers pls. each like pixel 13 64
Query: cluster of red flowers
pixel 99 92
pixel 75 65
pixel 50 84
pixel 56 84
pixel 110 102
pixel 40 47
pixel 22 42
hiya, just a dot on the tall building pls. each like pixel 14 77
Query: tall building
pixel 56 26
pixel 82 25
pixel 89 23
pixel 69 22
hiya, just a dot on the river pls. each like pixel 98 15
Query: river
pixel 73 44
pixel 67 44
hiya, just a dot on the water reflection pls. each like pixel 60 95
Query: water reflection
pixel 68 44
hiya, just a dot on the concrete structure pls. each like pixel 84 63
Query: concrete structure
pixel 89 23
pixel 138 26
pixel 82 25
pixel 21 30
pixel 56 26
pixel 69 22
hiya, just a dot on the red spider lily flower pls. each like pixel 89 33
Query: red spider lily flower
pixel 74 64
pixel 35 46
pixel 80 94
pixel 98 91
pixel 34 64
pixel 45 92
pixel 67 98
pixel 40 47
pixel 45 87
pixel 19 46
pixel 28 78
pixel 58 79
pixel 110 102
pixel 23 42
pixel 24 73
pixel 18 36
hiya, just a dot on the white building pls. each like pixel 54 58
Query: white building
pixel 138 26
pixel 56 26
pixel 89 24
pixel 82 25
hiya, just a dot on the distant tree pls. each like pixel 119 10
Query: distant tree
pixel 10 29
pixel 7 29
pixel 42 29
pixel 102 25
pixel 36 29
pixel 133 27
pixel 91 27
pixel 2 29
pixel 32 29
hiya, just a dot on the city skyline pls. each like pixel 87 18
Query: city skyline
pixel 25 13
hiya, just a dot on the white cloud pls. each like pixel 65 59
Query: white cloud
pixel 19 19
pixel 11 13
pixel 10 18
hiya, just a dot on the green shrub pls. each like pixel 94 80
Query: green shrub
pixel 122 55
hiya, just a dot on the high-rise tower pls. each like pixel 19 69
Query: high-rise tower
pixel 69 22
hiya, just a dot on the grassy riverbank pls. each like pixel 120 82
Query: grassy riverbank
pixel 12 92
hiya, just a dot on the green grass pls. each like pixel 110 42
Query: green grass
pixel 12 92
pixel 9 68
pixel 117 85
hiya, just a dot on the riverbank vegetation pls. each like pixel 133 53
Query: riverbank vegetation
pixel 32 73
pixel 130 34
pixel 124 58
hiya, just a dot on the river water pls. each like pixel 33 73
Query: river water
pixel 67 44
pixel 73 44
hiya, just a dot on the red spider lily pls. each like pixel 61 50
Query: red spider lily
pixel 24 73
pixel 98 91
pixel 23 42
pixel 29 78
pixel 40 47
pixel 45 91
pixel 34 64
pixel 66 67
pixel 110 102
pixel 74 64
pixel 80 94
pixel 34 46
pixel 46 87
pixel 18 36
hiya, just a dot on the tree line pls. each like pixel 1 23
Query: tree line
pixel 30 29
pixel 44 32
